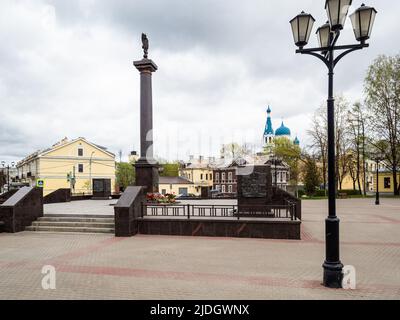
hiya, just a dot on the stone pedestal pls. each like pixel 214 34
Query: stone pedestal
pixel 146 167
pixel 255 189
pixel 147 175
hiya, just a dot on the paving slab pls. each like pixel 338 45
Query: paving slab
pixel 100 266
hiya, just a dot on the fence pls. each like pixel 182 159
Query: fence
pixel 286 211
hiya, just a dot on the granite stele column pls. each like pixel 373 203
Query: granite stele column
pixel 146 167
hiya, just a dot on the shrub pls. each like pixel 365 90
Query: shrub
pixel 320 193
pixel 350 192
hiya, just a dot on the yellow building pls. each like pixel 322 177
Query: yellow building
pixel 68 164
pixel 200 173
pixel 386 183
pixel 178 186
pixel 370 174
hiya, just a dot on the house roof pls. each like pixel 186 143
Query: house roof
pixel 64 142
pixel 174 180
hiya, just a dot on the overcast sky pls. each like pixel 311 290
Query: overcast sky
pixel 66 70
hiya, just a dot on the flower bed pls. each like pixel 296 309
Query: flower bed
pixel 158 198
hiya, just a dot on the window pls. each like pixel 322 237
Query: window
pixel 218 187
pixel 80 167
pixel 217 176
pixel 163 191
pixel 201 177
pixel 223 176
pixel 206 176
pixel 223 189
pixel 183 191
pixel 80 152
pixel 211 176
pixel 386 183
pixel 230 176
pixel 230 189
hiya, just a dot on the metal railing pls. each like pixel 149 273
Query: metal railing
pixel 287 211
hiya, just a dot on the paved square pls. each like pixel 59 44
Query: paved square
pixel 91 266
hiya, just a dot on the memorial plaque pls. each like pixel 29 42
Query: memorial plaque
pixel 101 188
pixel 254 185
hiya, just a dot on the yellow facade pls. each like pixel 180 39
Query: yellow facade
pixel 80 158
pixel 347 183
pixel 176 189
pixel 386 183
pixel 202 177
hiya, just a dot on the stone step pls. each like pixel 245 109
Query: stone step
pixel 70 229
pixel 73 224
pixel 50 215
pixel 75 219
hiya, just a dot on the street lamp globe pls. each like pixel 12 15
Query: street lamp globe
pixel 337 12
pixel 323 34
pixel 363 20
pixel 301 28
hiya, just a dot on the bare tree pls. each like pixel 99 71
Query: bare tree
pixel 318 134
pixel 342 139
pixel 357 135
pixel 319 140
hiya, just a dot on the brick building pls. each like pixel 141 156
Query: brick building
pixel 225 174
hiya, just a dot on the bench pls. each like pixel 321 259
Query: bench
pixel 343 196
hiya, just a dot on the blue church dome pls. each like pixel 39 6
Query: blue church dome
pixel 282 131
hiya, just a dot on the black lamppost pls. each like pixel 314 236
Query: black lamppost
pixel 378 158
pixel 328 35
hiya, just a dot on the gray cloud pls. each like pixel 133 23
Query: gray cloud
pixel 66 70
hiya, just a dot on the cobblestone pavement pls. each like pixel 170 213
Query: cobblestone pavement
pixel 99 266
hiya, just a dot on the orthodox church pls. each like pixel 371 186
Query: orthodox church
pixel 270 135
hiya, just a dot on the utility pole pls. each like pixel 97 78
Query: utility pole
pixel 8 172
pixel 90 172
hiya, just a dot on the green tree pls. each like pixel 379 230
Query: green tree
pixel 312 177
pixel 290 153
pixel 382 88
pixel 169 170
pixel 125 174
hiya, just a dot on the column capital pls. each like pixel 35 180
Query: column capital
pixel 145 65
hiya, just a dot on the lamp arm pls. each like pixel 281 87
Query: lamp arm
pixel 339 57
pixel 319 56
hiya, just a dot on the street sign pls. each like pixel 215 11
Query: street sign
pixel 40 183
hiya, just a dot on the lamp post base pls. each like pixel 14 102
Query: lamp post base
pixel 377 201
pixel 333 275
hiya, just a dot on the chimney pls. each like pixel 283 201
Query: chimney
pixel 200 159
